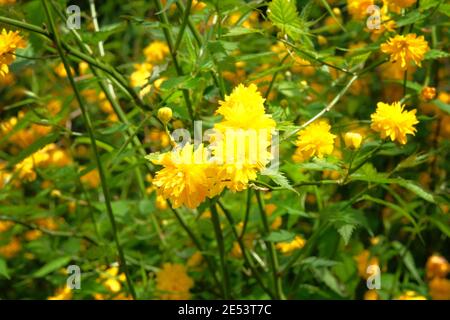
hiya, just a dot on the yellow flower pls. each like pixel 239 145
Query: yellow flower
pixel 173 282
pixel 363 260
pixel 184 178
pixel 61 72
pixel 411 295
pixel 240 155
pixel 161 203
pixel 371 295
pixel 195 260
pixel 353 140
pixel 111 279
pixel 139 78
pixel 62 294
pixel 165 114
pixel 288 247
pixel 428 93
pixel 156 51
pixel 244 109
pixel 9 42
pixel 439 289
pixel 11 249
pixel 92 179
pixel 390 120
pixel 358 8
pixel 397 5
pixel 437 266
pixel 240 145
pixel 406 49
pixel 314 140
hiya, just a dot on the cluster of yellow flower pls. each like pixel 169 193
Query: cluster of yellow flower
pixel 239 148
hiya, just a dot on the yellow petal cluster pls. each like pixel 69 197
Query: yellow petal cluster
pixel 9 42
pixel 288 247
pixel 238 150
pixel 315 140
pixel 391 120
pixel 358 8
pixel 406 49
pixel 173 282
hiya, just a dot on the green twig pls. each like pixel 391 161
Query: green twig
pixel 277 281
pixel 55 37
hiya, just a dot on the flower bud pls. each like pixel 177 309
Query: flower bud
pixel 353 140
pixel 165 114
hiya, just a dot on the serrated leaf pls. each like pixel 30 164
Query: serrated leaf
pixel 284 15
pixel 279 178
pixel 436 54
pixel 346 232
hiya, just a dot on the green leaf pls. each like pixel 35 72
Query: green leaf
pixel 436 54
pixel 279 178
pixel 239 31
pixel 408 260
pixel 445 9
pixel 410 18
pixel 52 266
pixel 284 15
pixel 413 187
pixel 442 105
pixel 4 269
pixel 280 236
pixel 346 232
pixel 442 222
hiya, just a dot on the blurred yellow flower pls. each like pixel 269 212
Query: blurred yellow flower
pixel 439 289
pixel 437 267
pixel 428 93
pixel 173 282
pixel 62 294
pixel 288 247
pixel 156 51
pixel 195 260
pixel 358 8
pixel 411 295
pixel 363 260
pixel 91 179
pixel 391 120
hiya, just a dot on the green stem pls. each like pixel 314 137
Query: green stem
pixel 247 212
pixel 196 242
pixel 199 40
pixel 169 38
pixel 277 281
pixel 220 243
pixel 87 119
pixel 187 11
pixel 272 82
pixel 245 254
